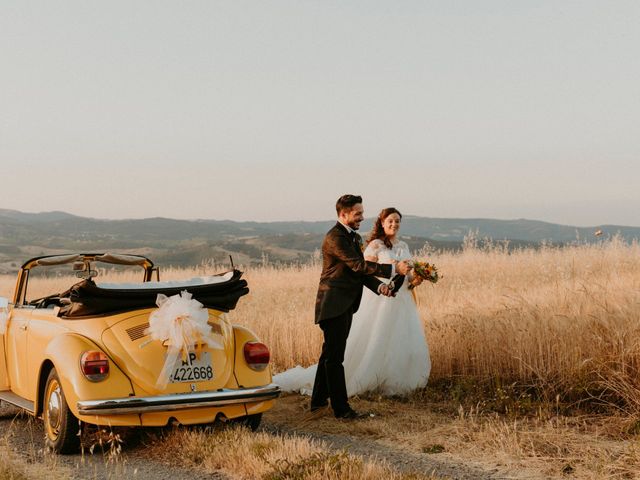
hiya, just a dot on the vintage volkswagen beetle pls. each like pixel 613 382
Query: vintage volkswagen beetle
pixel 85 355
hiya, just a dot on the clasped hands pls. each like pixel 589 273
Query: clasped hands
pixel 403 268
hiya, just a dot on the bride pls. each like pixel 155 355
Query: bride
pixel 386 348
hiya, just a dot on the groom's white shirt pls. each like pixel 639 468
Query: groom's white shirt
pixel 393 267
pixel 349 229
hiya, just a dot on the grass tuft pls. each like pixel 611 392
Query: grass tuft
pixel 259 455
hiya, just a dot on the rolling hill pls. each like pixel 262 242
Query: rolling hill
pixel 190 242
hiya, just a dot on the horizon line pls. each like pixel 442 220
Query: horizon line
pixel 309 221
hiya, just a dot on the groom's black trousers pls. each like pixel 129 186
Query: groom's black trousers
pixel 330 381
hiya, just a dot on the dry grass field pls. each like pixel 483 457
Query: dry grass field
pixel 535 357
pixel 563 321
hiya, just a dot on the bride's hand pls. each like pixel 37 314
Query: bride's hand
pixel 403 267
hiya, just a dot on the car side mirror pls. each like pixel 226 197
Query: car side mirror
pixel 83 270
pixel 87 274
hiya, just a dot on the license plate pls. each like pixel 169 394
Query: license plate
pixel 193 369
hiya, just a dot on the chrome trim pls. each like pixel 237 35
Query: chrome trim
pixel 53 409
pixel 177 401
pixel 18 401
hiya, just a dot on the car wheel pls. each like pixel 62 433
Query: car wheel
pixel 61 427
pixel 251 421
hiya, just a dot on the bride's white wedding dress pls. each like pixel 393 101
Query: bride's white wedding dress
pixel 386 348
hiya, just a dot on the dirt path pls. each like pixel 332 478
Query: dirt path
pixel 24 436
pixel 401 434
pixel 400 460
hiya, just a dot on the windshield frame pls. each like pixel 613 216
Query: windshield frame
pixel 20 293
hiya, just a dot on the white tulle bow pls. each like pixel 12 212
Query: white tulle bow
pixel 181 322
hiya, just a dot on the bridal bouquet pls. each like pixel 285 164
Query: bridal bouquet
pixel 426 271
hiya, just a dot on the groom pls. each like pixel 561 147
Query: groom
pixel 344 272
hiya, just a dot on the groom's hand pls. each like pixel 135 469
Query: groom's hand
pixel 385 290
pixel 403 267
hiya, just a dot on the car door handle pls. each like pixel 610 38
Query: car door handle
pixel 23 327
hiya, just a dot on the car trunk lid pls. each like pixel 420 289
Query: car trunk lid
pixel 143 359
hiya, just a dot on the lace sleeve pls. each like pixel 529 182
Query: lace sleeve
pixel 403 251
pixel 373 248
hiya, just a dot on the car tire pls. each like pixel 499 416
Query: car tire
pixel 250 421
pixel 61 427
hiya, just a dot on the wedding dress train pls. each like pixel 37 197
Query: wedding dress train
pixel 386 348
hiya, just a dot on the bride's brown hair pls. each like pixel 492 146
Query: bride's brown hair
pixel 378 230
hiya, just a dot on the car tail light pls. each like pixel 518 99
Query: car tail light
pixel 94 365
pixel 256 355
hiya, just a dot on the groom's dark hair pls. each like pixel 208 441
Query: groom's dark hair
pixel 346 202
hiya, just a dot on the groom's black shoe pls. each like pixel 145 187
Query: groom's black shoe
pixel 352 415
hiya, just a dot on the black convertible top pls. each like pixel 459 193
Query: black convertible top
pixel 87 299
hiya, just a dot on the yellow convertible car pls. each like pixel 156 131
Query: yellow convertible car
pixel 129 354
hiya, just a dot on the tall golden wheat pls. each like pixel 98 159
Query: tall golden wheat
pixel 561 319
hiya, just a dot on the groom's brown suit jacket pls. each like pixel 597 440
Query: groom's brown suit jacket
pixel 344 271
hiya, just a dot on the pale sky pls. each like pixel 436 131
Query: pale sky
pixel 269 110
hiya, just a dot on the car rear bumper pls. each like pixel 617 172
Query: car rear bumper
pixel 178 401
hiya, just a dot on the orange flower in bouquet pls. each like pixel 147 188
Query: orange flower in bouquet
pixel 426 271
